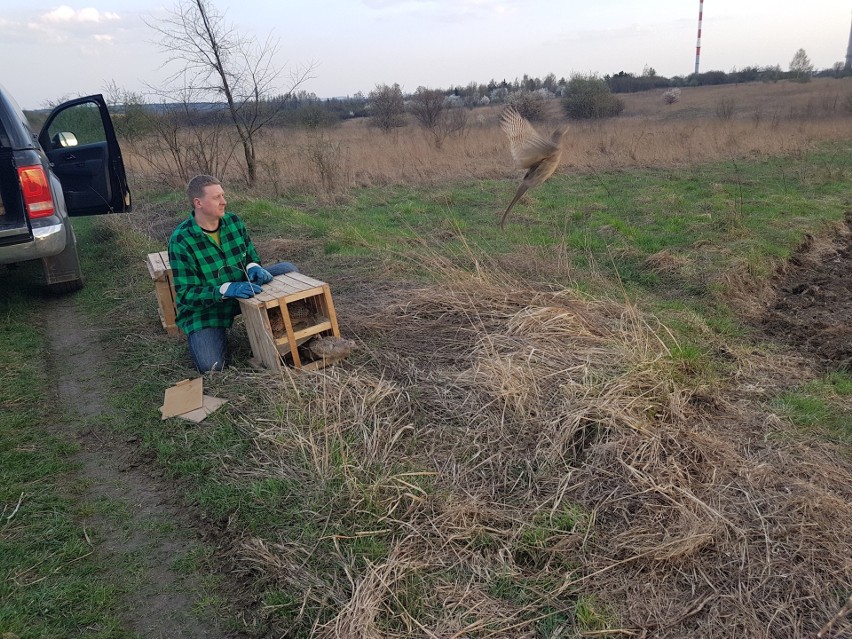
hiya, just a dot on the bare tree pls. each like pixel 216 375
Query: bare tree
pixel 226 64
pixel 426 105
pixel 387 107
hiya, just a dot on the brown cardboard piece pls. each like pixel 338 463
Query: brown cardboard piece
pixel 187 400
pixel 208 406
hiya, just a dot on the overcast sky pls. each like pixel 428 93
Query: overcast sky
pixel 51 50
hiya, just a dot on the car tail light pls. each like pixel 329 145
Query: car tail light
pixel 36 190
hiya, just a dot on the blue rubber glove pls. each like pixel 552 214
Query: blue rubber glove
pixel 259 275
pixel 242 290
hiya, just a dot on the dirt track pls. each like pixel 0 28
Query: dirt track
pixel 163 605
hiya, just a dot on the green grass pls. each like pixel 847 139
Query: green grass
pixel 718 217
pixel 822 407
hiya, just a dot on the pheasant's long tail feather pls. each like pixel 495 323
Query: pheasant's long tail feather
pixel 521 190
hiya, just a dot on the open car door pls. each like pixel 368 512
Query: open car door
pixel 79 140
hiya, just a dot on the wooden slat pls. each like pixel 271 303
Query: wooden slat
pixel 332 315
pixel 283 343
pixel 305 279
pixel 313 330
pixel 265 296
pixel 293 297
pixel 260 335
pixel 291 338
pixel 165 301
pixel 155 265
pixel 287 288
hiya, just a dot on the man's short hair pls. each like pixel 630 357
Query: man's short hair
pixel 196 185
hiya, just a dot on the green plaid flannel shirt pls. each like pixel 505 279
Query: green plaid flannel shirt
pixel 200 267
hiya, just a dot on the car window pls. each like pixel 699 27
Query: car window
pixel 78 125
pixel 5 141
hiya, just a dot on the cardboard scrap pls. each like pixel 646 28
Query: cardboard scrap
pixel 187 400
pixel 209 405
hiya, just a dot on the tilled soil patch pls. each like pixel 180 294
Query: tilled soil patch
pixel 812 311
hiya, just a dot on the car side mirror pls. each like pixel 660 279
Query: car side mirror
pixel 63 139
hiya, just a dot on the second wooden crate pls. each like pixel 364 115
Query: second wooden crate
pixel 161 272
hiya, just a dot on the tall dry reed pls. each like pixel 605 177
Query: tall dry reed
pixel 767 119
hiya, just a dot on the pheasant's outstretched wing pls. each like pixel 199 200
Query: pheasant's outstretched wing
pixel 527 146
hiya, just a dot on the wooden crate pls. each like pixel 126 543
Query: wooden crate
pixel 292 309
pixel 161 272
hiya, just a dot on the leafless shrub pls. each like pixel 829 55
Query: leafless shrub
pixel 775 120
pixel 178 147
pixel 431 109
pixel 387 108
pixel 671 96
pixel 427 105
pixel 329 160
pixel 454 122
pixel 724 109
pixel 271 173
pixel 530 104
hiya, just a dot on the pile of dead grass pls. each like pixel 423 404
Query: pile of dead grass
pixel 534 464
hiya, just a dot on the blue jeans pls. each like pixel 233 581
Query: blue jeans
pixel 208 347
pixel 282 268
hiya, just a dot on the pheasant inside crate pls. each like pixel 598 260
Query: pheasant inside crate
pixel 303 313
pixel 291 310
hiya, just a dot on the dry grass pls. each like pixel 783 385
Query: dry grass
pixel 529 450
pixel 768 119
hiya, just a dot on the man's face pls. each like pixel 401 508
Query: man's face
pixel 212 203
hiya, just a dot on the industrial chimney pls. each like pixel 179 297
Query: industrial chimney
pixel 698 42
pixel 848 66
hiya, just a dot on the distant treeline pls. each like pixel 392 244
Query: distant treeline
pixel 307 109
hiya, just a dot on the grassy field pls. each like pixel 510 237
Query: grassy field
pixel 571 428
pixel 708 124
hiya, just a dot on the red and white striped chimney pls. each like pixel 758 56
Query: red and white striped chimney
pixel 848 66
pixel 698 43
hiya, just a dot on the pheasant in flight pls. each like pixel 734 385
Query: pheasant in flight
pixel 530 151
